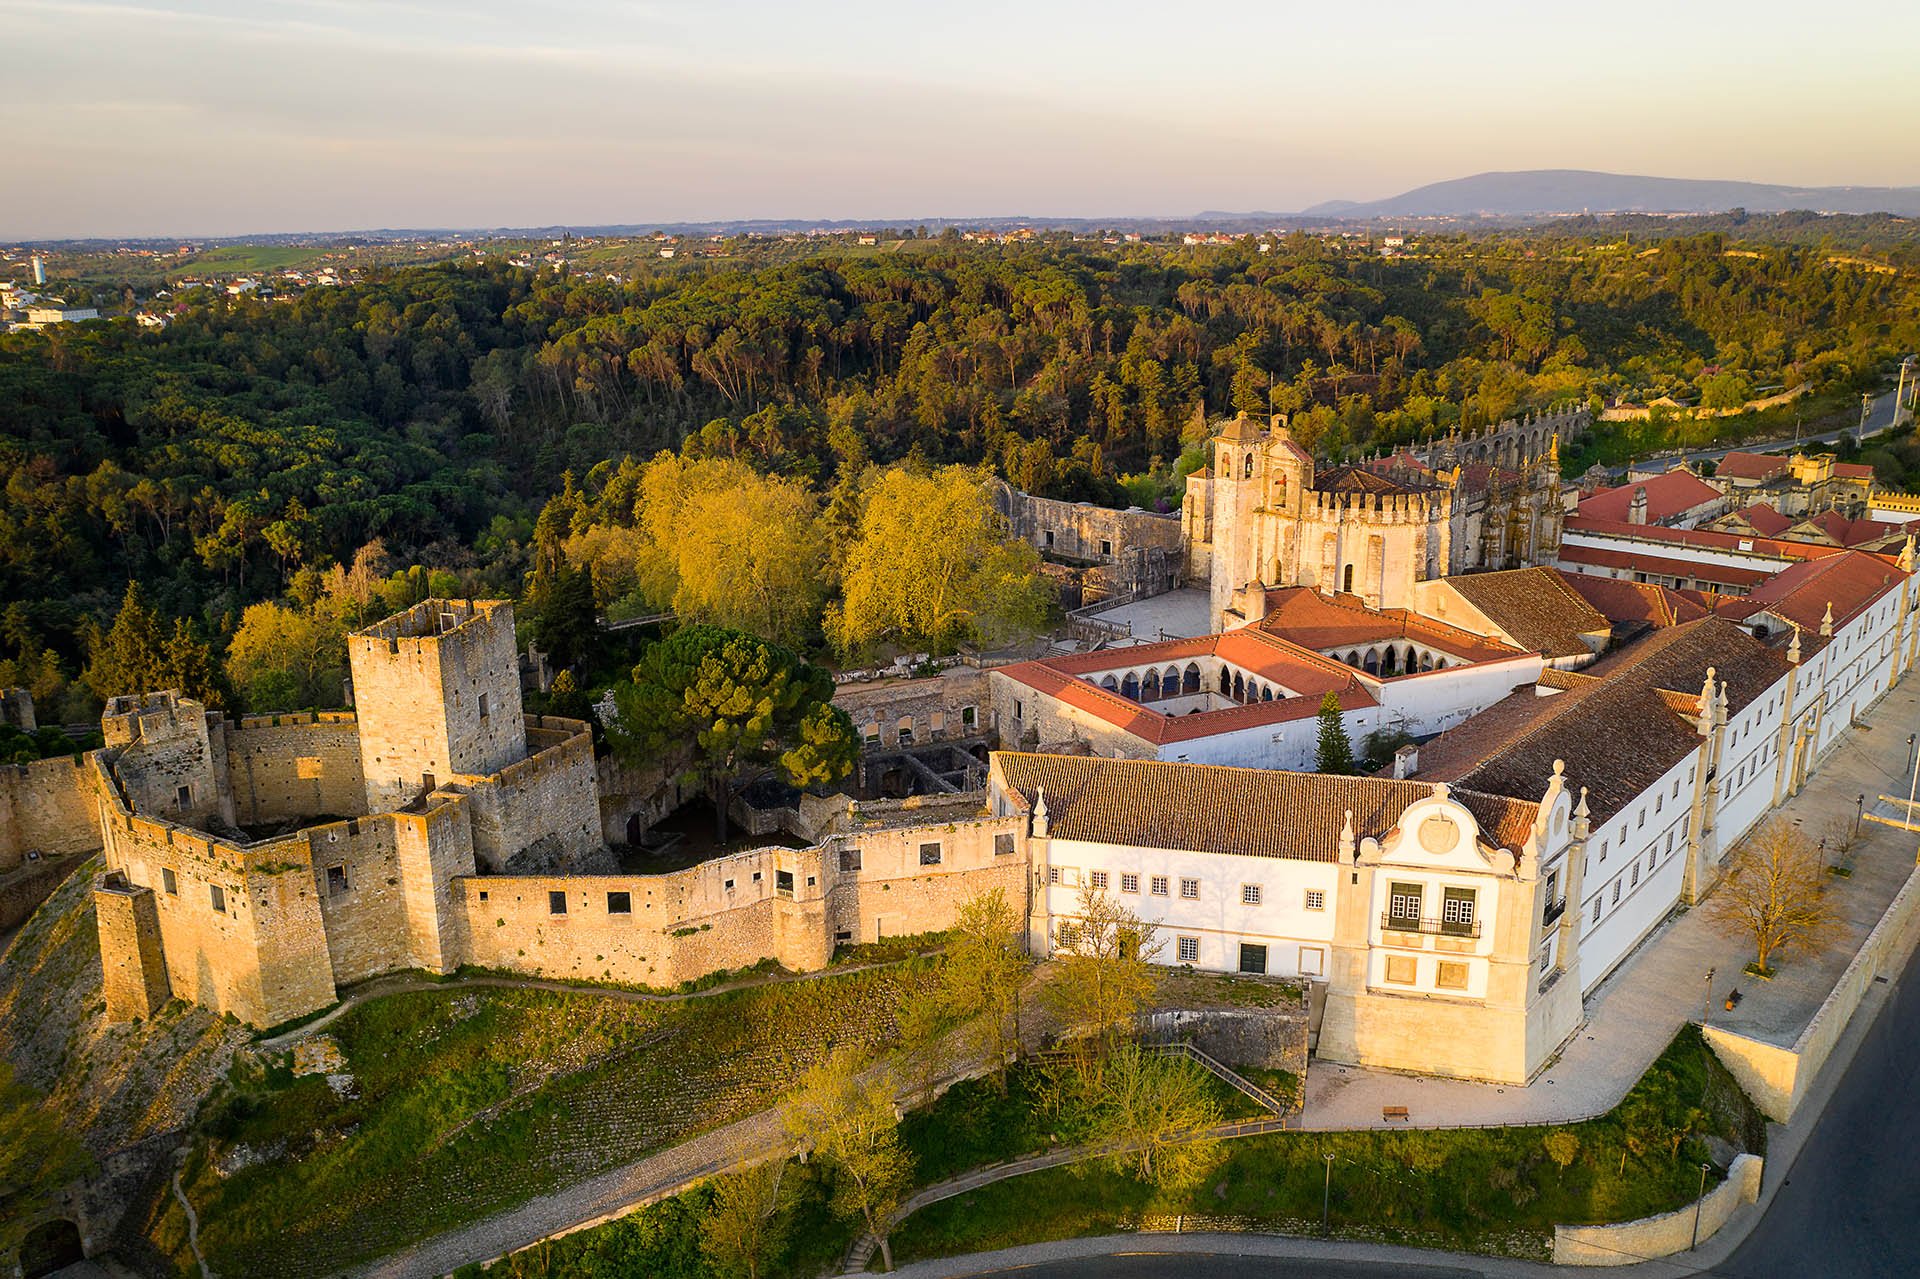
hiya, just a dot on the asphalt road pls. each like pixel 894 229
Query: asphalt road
pixel 1879 420
pixel 1846 1210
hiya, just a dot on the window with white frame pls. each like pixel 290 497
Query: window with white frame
pixel 1616 892
pixel 1403 902
pixel 1190 890
pixel 1189 950
pixel 1159 885
pixel 1099 880
pixel 1129 882
pixel 1316 899
pixel 1053 874
pixel 1249 894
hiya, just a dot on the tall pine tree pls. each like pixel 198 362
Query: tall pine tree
pixel 1334 753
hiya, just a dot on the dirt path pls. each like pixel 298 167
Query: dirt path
pixel 193 1227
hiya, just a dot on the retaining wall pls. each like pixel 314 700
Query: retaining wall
pixel 46 807
pixel 1627 1242
pixel 1777 1078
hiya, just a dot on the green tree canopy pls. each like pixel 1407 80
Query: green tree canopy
pixel 736 706
pixel 1333 753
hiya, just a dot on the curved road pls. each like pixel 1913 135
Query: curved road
pixel 1845 1210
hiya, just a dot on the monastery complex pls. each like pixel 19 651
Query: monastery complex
pixel 1591 707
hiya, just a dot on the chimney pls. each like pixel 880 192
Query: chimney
pixel 1406 762
pixel 1637 512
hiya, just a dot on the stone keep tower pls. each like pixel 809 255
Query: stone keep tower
pixel 437 692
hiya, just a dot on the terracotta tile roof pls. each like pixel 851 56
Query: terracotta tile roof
pixel 1621 601
pixel 1698 537
pixel 1312 620
pixel 1664 566
pixel 1850 581
pixel 1536 607
pixel 1668 495
pixel 1619 732
pixel 1758 467
pixel 1309 675
pixel 1252 812
pixel 1354 479
pixel 1764 520
pixel 1852 471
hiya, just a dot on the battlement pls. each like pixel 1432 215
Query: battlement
pixel 432 619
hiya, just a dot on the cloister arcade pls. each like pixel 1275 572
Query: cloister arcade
pixel 1210 683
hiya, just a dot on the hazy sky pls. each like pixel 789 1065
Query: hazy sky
pixel 214 117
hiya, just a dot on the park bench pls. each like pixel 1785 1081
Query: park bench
pixel 1391 1113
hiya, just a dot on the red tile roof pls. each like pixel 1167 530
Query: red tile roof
pixel 1850 581
pixel 1764 519
pixel 1536 607
pixel 1317 621
pixel 1252 812
pixel 1623 601
pixel 1668 496
pixel 1852 471
pixel 1664 566
pixel 1777 548
pixel 1758 467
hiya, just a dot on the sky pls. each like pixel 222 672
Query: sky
pixel 236 117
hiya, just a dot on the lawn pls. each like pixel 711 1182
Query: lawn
pixel 464 1102
pixel 1494 1190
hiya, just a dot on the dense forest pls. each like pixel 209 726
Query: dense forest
pixel 364 445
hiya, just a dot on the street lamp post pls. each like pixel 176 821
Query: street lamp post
pixel 1326 1195
pixel 1859 807
pixel 1866 407
pixel 1706 1009
pixel 1704 1169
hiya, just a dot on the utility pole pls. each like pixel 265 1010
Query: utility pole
pixel 1706 1008
pixel 1866 406
pixel 1326 1195
pixel 1859 807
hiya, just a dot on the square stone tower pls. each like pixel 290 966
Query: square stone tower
pixel 437 692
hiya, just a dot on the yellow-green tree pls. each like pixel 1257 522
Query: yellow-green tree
pixel 983 974
pixel 848 1118
pixel 933 566
pixel 282 657
pixel 1155 1110
pixel 741 1228
pixel 1103 957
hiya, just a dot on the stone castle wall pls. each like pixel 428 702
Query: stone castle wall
pixel 546 806
pixel 281 767
pixel 46 807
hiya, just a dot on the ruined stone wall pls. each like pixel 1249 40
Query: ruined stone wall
pixel 288 766
pixel 258 948
pixel 956 703
pixel 545 806
pixel 167 759
pixel 1031 720
pixel 438 693
pixel 46 807
pixel 133 971
pixel 634 799
pixel 363 904
pixel 888 889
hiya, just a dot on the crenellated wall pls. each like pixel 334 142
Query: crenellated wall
pixel 546 806
pixel 46 807
pixel 281 767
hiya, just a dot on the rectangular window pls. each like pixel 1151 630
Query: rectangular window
pixel 969 717
pixel 783 882
pixel 929 854
pixel 906 732
pixel 1456 910
pixel 1053 874
pixel 1249 894
pixel 1403 902
pixel 1616 892
pixel 871 735
pixel 1316 899
pixel 1069 934
pixel 1129 883
pixel 1636 874
pixel 557 903
pixel 1106 546
pixel 1018 708
pixel 217 897
pixel 1003 846
pixel 168 882
pixel 185 795
pixel 1451 976
pixel 1159 884
pixel 336 880
pixel 1402 970
pixel 483 894
pixel 1189 948
pixel 1603 852
pixel 849 861
pixel 1253 959
pixel 1598 903
pixel 727 884
pixel 619 903
pixel 1190 890
pixel 1099 881
pixel 486 705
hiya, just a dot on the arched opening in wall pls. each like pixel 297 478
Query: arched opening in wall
pixel 1239 687
pixel 636 827
pixel 1352 659
pixel 50 1246
pixel 978 751
pixel 1249 469
pixel 1111 684
pixel 1170 682
pixel 1150 687
pixel 894 784
pixel 1426 661
pixel 1372 664
pixel 1130 687
pixel 1266 694
pixel 1390 662
pixel 1226 682
pixel 1190 681
pixel 1346 579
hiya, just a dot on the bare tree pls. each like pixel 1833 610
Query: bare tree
pixel 1775 893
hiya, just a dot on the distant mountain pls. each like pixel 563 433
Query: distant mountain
pixel 1547 191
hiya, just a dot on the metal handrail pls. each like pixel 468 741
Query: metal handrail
pixel 1552 912
pixel 1444 927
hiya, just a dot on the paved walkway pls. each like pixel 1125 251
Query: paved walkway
pixel 1636 1012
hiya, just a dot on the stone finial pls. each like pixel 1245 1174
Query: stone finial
pixel 1826 622
pixel 1793 646
pixel 1580 809
pixel 1040 814
pixel 1707 702
pixel 1906 555
pixel 1347 838
pixel 1440 790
